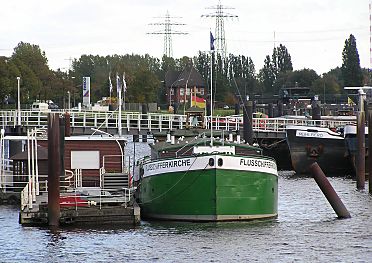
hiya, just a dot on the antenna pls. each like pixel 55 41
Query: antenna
pixel 220 16
pixel 167 32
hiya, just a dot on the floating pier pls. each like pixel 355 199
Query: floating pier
pixel 83 210
pixel 88 182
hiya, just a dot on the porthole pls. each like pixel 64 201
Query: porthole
pixel 211 162
pixel 220 162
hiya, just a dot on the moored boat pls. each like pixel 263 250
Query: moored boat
pixel 309 144
pixel 197 182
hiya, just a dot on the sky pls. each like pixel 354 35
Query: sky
pixel 314 31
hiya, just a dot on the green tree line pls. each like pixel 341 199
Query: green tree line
pixel 234 76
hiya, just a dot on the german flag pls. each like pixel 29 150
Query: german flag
pixel 198 102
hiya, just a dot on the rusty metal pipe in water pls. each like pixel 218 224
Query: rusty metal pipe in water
pixel 329 191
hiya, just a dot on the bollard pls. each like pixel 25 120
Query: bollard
pixel 247 123
pixel 370 147
pixel 54 169
pixel 361 153
pixel 328 191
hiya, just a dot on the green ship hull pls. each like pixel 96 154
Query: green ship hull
pixel 194 190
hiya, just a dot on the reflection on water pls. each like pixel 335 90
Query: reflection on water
pixel 306 230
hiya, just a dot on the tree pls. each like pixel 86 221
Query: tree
pixel 281 60
pixel 326 85
pixel 351 71
pixel 267 75
pixel 35 59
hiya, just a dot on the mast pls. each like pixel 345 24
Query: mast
pixel 212 97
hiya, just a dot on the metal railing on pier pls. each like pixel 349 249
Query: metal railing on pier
pixel 154 122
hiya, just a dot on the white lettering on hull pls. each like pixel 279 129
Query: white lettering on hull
pixel 237 163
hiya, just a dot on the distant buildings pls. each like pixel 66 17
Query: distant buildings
pixel 181 85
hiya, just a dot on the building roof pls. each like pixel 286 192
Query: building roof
pixel 189 76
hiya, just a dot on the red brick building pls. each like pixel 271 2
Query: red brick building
pixel 182 85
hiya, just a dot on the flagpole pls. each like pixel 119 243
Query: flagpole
pixel 211 98
pixel 118 89
pixel 124 98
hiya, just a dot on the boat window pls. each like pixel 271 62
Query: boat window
pixel 211 162
pixel 220 162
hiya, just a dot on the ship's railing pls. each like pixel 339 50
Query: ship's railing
pixel 160 122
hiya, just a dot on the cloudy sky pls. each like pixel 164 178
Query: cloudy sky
pixel 314 31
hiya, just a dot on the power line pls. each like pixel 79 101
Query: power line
pixel 220 16
pixel 167 32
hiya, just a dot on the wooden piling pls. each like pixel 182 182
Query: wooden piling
pixel 237 108
pixel 361 156
pixel 329 191
pixel 315 107
pixel 370 147
pixel 54 169
pixel 280 109
pixel 247 123
pixel 271 110
pixel 67 125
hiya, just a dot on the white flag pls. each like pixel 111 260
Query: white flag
pixel 118 84
pixel 110 83
pixel 124 83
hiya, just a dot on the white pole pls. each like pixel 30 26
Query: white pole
pixel 19 100
pixel 29 171
pixel 211 98
pixel 119 117
pixel 124 99
pixel 36 166
pixel 69 97
pixel 33 167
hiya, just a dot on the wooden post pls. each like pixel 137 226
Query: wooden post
pixel 316 113
pixel 361 155
pixel 67 125
pixel 237 108
pixel 54 169
pixel 370 147
pixel 248 123
pixel 271 110
pixel 328 191
pixel 280 109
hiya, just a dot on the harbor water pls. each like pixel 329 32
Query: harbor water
pixel 306 230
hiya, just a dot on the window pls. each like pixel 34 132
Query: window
pixel 85 160
pixel 187 91
pixel 202 91
pixel 182 92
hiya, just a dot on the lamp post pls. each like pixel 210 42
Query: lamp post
pixel 19 101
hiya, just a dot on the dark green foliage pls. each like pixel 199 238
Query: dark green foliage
pixel 233 77
pixel 276 70
pixel 351 71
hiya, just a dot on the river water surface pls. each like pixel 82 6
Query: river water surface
pixel 306 230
